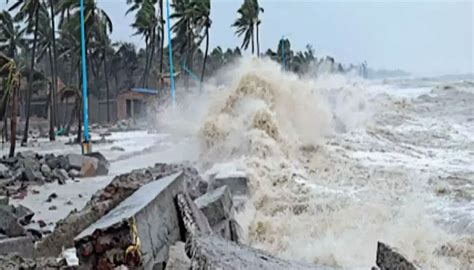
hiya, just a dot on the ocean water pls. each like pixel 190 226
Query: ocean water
pixel 338 163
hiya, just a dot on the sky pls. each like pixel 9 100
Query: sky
pixel 423 37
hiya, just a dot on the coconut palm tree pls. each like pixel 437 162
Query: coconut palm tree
pixel 247 23
pixel 146 23
pixel 68 92
pixel 8 69
pixel 28 12
pixel 12 37
pixel 201 20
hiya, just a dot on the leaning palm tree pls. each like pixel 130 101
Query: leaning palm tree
pixel 247 23
pixel 8 69
pixel 12 37
pixel 28 12
pixel 202 20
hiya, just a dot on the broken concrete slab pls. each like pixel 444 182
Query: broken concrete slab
pixel 389 258
pixel 213 252
pixel 216 205
pixel 236 182
pixel 178 260
pixel 191 218
pixel 23 245
pixel 138 232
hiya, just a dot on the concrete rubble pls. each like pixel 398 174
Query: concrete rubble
pixel 29 167
pixel 155 218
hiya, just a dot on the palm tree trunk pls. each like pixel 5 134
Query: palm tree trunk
pixel 152 55
pixel 106 74
pixel 147 52
pixel 79 126
pixel 55 58
pixel 30 82
pixel 258 42
pixel 205 55
pixel 13 119
pixel 51 98
pixel 253 46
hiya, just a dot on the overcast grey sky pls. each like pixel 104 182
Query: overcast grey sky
pixel 424 37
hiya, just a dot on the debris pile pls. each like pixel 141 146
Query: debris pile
pixel 29 167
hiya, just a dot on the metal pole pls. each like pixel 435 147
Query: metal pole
pixel 85 146
pixel 170 50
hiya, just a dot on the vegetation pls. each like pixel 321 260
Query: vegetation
pixel 42 37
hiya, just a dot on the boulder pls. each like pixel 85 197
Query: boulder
pixel 62 162
pixel 4 171
pixel 61 175
pixel 74 161
pixel 47 173
pixel 216 205
pixel 103 165
pixel 4 200
pixel 30 162
pixel 26 154
pixel 52 161
pixel 73 173
pixel 389 258
pixel 22 245
pixel 117 148
pixel 89 167
pixel 9 223
pixel 236 182
pixel 23 214
pixel 33 175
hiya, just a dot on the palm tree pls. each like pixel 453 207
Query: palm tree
pixel 9 70
pixel 202 20
pixel 68 92
pixel 146 24
pixel 11 35
pixel 29 12
pixel 247 23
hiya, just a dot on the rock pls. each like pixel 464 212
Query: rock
pixel 216 205
pixel 23 246
pixel 103 166
pixel 193 220
pixel 4 171
pixel 74 161
pixel 390 259
pixel 150 214
pixel 26 154
pixel 4 200
pixel 73 173
pixel 47 173
pixel 30 162
pixel 10 161
pixel 69 203
pixel 211 252
pixel 9 223
pixel 51 197
pixel 62 162
pixel 33 175
pixel 52 208
pixel 117 148
pixel 89 168
pixel 236 182
pixel 61 175
pixel 23 214
pixel 41 223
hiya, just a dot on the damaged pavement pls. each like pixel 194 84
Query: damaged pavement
pixel 163 217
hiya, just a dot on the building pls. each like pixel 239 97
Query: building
pixel 135 102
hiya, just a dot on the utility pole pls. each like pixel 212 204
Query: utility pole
pixel 86 147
